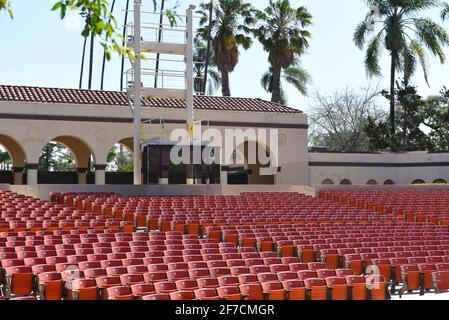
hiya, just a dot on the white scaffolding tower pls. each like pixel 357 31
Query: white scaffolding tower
pixel 137 90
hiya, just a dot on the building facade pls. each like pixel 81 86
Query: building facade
pixel 89 123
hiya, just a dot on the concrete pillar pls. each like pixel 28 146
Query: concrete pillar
pixel 100 174
pixel 32 173
pixel 277 176
pixel 18 175
pixel 224 175
pixel 82 175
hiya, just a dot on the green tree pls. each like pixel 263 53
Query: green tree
pixel 56 157
pixel 294 75
pixel 445 11
pixel 409 135
pixel 436 118
pixel 283 35
pixel 6 5
pixel 119 159
pixel 5 160
pixel 230 26
pixel 405 33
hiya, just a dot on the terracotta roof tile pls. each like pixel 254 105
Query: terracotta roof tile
pixel 114 98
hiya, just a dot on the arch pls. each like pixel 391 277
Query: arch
pixel 14 149
pixel 418 181
pixel 345 182
pixel 389 182
pixel 327 182
pixel 83 157
pixel 440 181
pixel 372 182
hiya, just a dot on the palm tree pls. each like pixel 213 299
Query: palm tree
pixel 405 34
pixel 282 34
pixel 294 75
pixel 230 27
pixel 445 12
pixel 199 71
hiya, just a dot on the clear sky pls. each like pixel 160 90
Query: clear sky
pixel 39 49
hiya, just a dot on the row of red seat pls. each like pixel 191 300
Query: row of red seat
pixel 417 205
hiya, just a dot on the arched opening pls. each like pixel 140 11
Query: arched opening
pixel 440 181
pixel 345 182
pixel 120 163
pixel 66 160
pixel 327 182
pixel 250 169
pixel 389 182
pixel 418 181
pixel 372 182
pixel 12 161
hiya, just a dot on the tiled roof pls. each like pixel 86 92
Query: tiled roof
pixel 115 98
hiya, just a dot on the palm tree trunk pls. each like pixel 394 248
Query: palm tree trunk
pixel 159 39
pixel 225 90
pixel 103 67
pixel 123 44
pixel 82 63
pixel 276 85
pixel 392 97
pixel 91 62
pixel 209 41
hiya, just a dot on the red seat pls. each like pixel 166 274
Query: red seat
pixel 339 288
pixel 441 281
pixel 316 289
pixel 295 289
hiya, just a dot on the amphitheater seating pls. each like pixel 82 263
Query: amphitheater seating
pixel 260 246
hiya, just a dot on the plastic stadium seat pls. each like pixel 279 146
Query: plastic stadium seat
pixel 229 293
pixel 306 274
pixel 442 266
pixel 326 273
pixel 273 291
pixel 331 258
pixel 50 286
pixel 157 296
pixel 441 281
pixel 131 279
pixel 165 287
pixel 426 271
pixel 357 287
pixel 384 268
pixel 295 267
pixel 287 275
pixel 377 287
pixel 344 272
pixel 354 262
pixel 251 291
pixel 295 289
pixel 206 294
pixel 188 284
pixel 248 278
pixel 151 277
pixel 410 278
pixel 103 283
pixel 84 289
pixel 119 293
pixel 275 268
pixel 142 289
pixel 207 282
pixel 339 288
pixel 182 295
pixel 19 280
pixel 316 289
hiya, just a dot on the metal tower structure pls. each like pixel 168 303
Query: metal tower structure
pixel 137 90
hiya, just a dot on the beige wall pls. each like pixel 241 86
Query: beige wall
pixel 362 174
pixel 97 137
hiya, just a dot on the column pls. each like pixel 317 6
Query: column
pixel 100 174
pixel 224 175
pixel 32 173
pixel 18 175
pixel 82 175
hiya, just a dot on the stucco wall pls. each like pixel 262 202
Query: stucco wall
pixel 360 168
